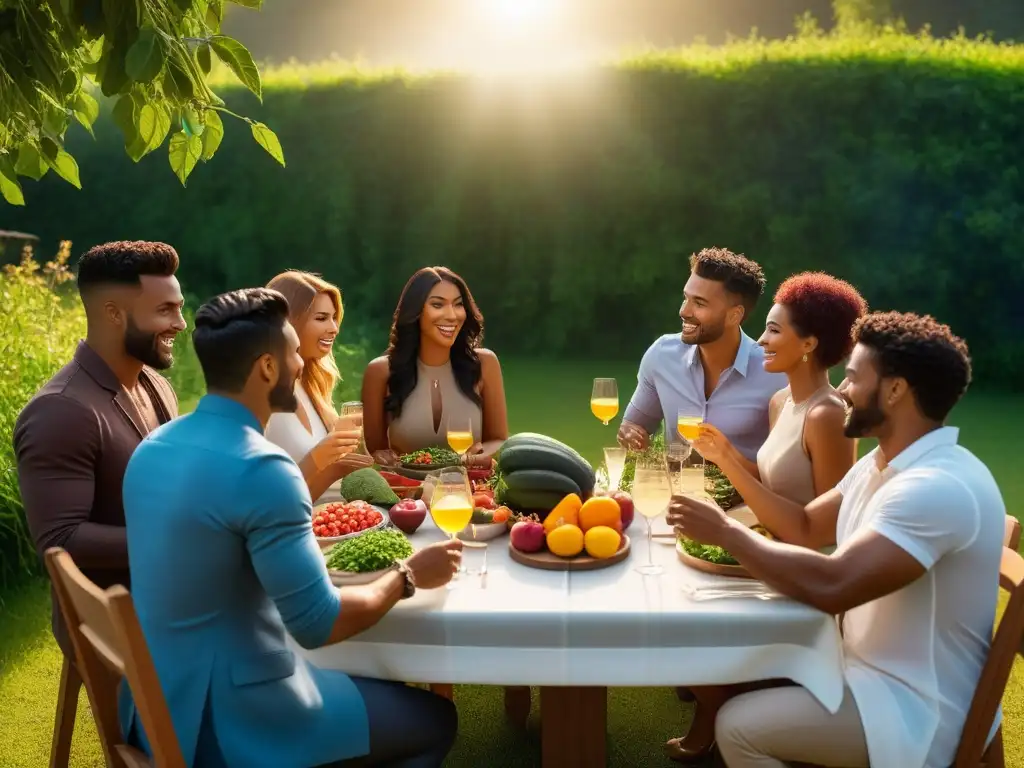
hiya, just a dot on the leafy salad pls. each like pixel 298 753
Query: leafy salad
pixel 373 551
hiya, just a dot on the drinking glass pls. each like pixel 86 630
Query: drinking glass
pixel 604 400
pixel 651 495
pixel 615 463
pixel 460 434
pixel 688 424
pixel 451 503
pixel 352 411
pixel 685 469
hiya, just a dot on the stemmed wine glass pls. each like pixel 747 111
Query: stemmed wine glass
pixel 460 434
pixel 451 503
pixel 604 400
pixel 651 494
pixel 615 463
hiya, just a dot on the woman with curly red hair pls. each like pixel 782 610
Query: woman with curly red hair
pixel 808 330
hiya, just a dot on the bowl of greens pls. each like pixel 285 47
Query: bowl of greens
pixel 429 459
pixel 367 557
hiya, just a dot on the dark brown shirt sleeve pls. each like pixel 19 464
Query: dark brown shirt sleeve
pixel 57 444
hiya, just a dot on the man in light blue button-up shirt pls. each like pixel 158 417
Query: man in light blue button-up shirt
pixel 712 369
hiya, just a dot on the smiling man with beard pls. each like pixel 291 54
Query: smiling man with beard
pixel 918 523
pixel 712 369
pixel 73 440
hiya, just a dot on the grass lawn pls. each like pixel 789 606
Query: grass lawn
pixel 544 397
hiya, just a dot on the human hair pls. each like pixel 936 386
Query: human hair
pixel 124 262
pixel 739 275
pixel 404 345
pixel 320 375
pixel 920 349
pixel 233 330
pixel 825 307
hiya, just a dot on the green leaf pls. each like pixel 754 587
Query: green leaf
pixel 215 14
pixel 257 4
pixel 213 135
pixel 10 188
pixel 123 115
pixel 153 124
pixel 146 56
pixel 61 162
pixel 86 109
pixel 178 81
pixel 238 58
pixel 184 153
pixel 191 122
pixel 30 162
pixel 203 57
pixel 267 139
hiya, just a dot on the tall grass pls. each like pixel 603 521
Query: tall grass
pixel 42 323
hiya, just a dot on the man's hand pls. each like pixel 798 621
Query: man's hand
pixel 633 436
pixel 699 519
pixel 334 447
pixel 435 565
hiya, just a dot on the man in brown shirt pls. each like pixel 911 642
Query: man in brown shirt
pixel 74 438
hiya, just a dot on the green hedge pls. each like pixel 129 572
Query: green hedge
pixel 572 203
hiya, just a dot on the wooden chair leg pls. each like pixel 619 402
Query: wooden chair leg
pixel 444 689
pixel 994 756
pixel 517 704
pixel 64 720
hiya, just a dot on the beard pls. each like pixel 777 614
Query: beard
pixel 705 334
pixel 862 420
pixel 282 397
pixel 145 348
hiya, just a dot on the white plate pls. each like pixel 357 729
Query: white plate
pixel 484 531
pixel 345 579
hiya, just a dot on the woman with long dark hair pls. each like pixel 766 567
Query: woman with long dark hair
pixel 433 374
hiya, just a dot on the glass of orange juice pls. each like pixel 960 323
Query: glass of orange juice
pixel 688 424
pixel 604 400
pixel 451 503
pixel 460 434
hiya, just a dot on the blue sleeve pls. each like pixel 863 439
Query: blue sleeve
pixel 644 407
pixel 285 555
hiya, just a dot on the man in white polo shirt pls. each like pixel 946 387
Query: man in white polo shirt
pixel 914 579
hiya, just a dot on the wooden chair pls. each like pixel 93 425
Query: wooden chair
pixel 64 718
pixel 109 645
pixel 1011 533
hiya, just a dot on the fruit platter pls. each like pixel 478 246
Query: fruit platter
pixel 364 559
pixel 340 520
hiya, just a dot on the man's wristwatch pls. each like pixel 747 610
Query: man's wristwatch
pixel 410 588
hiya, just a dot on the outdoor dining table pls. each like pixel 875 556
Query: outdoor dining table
pixel 575 634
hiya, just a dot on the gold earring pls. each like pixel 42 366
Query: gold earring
pixel 805 357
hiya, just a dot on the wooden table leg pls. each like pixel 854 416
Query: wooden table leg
pixel 517 704
pixel 574 727
pixel 443 689
pixel 64 719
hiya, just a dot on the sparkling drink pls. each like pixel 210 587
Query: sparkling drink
pixel 452 513
pixel 604 408
pixel 689 427
pixel 651 492
pixel 460 442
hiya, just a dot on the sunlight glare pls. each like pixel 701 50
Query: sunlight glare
pixel 522 12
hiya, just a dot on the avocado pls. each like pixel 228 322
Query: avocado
pixel 367 485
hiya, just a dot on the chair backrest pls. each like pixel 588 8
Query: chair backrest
pixel 1011 533
pixel 1006 644
pixel 109 645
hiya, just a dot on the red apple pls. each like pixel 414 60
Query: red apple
pixel 408 515
pixel 625 502
pixel 527 536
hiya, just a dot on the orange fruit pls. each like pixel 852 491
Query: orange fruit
pixel 602 541
pixel 600 510
pixel 565 541
pixel 567 512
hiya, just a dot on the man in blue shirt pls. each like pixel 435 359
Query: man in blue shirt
pixel 712 370
pixel 225 564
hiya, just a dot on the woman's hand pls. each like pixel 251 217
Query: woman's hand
pixel 353 461
pixel 712 444
pixel 475 458
pixel 334 447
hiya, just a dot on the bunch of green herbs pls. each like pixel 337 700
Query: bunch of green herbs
pixel 373 551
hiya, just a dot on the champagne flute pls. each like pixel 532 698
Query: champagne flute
pixel 685 469
pixel 451 503
pixel 651 494
pixel 460 434
pixel 604 400
pixel 615 463
pixel 688 423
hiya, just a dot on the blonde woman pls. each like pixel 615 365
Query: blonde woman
pixel 319 442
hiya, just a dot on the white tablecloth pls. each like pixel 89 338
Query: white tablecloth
pixel 610 627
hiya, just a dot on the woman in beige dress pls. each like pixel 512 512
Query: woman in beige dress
pixel 808 331
pixel 434 373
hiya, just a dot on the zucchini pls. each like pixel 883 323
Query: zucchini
pixel 527 500
pixel 541 480
pixel 528 450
